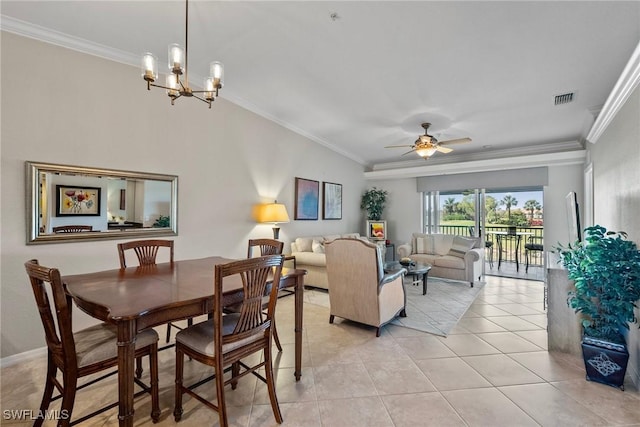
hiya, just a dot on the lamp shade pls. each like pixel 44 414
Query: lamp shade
pixel 273 213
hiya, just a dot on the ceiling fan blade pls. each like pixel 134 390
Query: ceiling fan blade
pixel 443 149
pixel 396 146
pixel 410 151
pixel 455 141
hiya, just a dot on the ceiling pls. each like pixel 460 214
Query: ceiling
pixel 357 76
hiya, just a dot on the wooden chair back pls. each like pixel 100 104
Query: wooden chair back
pixel 254 273
pixel 146 250
pixel 267 247
pixel 72 228
pixel 58 330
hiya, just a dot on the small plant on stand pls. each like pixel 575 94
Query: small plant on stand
pixel 373 201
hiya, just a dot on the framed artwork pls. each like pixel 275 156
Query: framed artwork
pixel 377 230
pixel 306 197
pixel 77 201
pixel 332 200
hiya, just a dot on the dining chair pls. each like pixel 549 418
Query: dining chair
pixel 81 353
pixel 534 244
pixel 72 228
pixel 147 252
pixel 225 340
pixel 267 247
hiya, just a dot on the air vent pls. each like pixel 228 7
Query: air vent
pixel 565 98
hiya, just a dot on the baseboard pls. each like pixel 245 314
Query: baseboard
pixel 8 361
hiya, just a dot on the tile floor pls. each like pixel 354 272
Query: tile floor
pixel 493 370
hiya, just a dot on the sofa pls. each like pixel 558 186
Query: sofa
pixel 451 257
pixel 310 256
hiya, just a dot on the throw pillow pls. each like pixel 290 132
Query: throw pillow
pixel 461 246
pixel 424 245
pixel 303 244
pixel 317 247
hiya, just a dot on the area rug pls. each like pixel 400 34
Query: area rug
pixel 437 312
pixel 441 308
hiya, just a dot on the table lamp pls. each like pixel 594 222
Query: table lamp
pixel 274 213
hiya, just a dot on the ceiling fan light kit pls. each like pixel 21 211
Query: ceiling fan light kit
pixel 178 63
pixel 427 145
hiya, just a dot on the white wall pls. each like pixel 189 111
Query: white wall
pixel 616 184
pixel 83 110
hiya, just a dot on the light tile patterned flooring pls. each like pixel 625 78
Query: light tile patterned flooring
pixel 493 370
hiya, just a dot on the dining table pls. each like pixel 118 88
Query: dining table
pixel 503 235
pixel 138 298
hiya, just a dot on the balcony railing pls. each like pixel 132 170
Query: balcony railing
pixel 508 244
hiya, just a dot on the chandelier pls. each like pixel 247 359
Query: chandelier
pixel 178 65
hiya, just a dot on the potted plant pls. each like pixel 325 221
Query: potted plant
pixel 373 202
pixel 606 271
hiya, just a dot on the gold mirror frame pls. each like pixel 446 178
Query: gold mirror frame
pixel 35 200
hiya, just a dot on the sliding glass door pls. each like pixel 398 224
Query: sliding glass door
pixel 509 221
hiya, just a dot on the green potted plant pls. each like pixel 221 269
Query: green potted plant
pixel 606 271
pixel 373 201
pixel 162 222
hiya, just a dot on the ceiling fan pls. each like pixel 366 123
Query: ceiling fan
pixel 426 145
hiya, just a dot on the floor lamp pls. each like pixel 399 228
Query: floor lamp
pixel 274 213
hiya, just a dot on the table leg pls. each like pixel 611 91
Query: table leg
pixel 126 356
pixel 424 283
pixel 299 298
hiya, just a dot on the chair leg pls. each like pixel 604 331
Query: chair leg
pixel 526 258
pixel 177 410
pixel 48 391
pixel 68 399
pixel 275 335
pixel 235 371
pixel 139 367
pixel 168 332
pixel 271 386
pixel 222 406
pixel 153 372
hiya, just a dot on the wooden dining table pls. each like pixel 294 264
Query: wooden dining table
pixel 137 298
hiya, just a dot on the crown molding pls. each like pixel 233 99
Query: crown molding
pixel 626 84
pixel 57 38
pixel 549 159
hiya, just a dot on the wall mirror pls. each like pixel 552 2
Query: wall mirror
pixel 74 203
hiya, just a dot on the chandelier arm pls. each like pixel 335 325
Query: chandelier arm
pixel 202 99
pixel 160 86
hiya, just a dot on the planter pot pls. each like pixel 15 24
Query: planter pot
pixel 605 362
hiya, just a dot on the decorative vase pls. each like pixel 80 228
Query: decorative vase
pixel 605 362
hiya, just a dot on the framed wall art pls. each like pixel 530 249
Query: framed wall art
pixel 377 230
pixel 332 200
pixel 77 201
pixel 307 193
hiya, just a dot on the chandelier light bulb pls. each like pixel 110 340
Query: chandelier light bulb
pixel 176 58
pixel 149 67
pixel 216 71
pixel 209 88
pixel 172 85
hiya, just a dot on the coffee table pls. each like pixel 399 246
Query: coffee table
pixel 418 272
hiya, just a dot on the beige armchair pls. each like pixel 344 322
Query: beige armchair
pixel 359 290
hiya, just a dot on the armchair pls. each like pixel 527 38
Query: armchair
pixel 359 290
